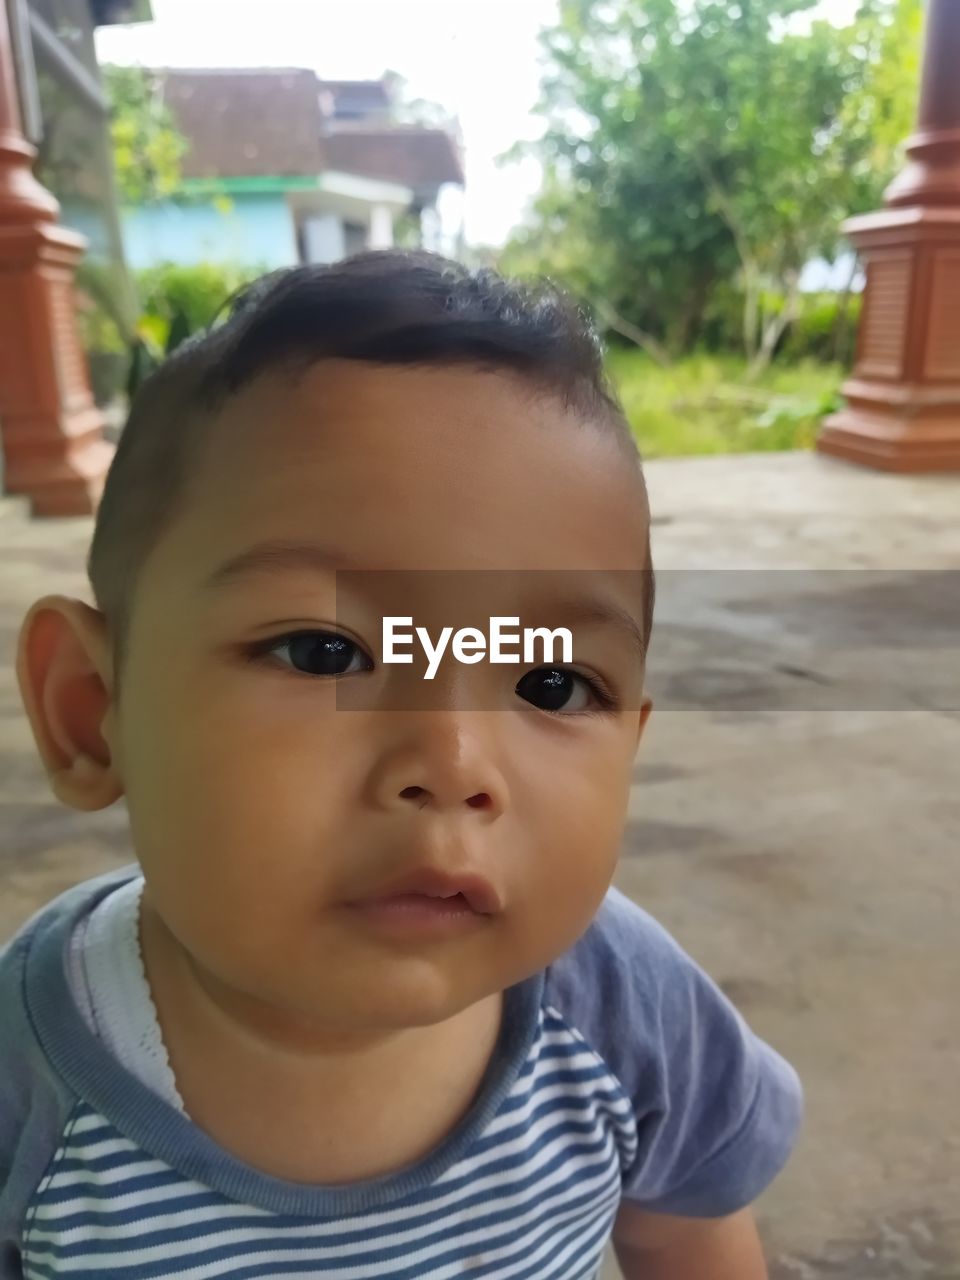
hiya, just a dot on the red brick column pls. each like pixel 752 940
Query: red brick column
pixel 903 398
pixel 51 432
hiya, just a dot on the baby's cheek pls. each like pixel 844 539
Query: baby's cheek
pixel 585 814
pixel 575 862
pixel 236 830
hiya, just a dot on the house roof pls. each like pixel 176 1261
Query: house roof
pixel 257 123
pixel 417 157
pixel 270 123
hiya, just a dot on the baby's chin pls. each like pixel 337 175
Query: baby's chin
pixel 358 995
pixel 405 994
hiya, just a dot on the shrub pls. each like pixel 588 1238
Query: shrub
pixel 702 404
pixel 195 292
pixel 826 328
pixel 177 302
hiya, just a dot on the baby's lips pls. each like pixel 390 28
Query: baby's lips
pixel 478 892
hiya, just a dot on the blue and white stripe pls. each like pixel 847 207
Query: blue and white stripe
pixel 532 1199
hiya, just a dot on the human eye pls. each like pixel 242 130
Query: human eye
pixel 315 653
pixel 558 689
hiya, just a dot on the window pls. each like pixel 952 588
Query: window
pixel 355 237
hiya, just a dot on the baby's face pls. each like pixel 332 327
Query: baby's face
pixel 268 799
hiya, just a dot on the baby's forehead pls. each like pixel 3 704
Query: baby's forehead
pixel 440 495
pixel 413 471
pixel 398 429
pixel 330 394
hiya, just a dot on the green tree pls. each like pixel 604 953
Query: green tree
pixel 690 143
pixel 760 118
pixel 147 147
pixel 622 218
pixel 879 116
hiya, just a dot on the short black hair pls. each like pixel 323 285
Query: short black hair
pixel 385 307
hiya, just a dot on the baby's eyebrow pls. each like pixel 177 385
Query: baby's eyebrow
pixel 604 613
pixel 268 557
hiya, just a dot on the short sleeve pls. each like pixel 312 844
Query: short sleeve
pixel 33 1105
pixel 716 1109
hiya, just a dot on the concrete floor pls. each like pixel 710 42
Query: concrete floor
pixel 795 819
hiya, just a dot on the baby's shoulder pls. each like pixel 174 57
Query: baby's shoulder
pixel 717 1109
pixel 633 993
pixel 624 957
pixel 32 986
pixel 34 1103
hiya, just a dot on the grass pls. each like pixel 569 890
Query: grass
pixel 703 404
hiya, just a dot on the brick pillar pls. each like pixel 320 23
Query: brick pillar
pixel 903 398
pixel 51 431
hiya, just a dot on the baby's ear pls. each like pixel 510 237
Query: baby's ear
pixel 64 666
pixel 643 715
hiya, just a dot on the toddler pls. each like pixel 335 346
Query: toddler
pixel 366 1005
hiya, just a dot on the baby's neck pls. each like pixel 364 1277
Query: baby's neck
pixel 309 1104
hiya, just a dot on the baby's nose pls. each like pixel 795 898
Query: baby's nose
pixel 422 797
pixel 443 761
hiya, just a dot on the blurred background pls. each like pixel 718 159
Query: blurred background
pixel 689 169
pixel 684 167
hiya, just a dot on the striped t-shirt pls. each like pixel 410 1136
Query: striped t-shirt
pixel 621 1072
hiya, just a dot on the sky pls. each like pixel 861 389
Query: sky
pixel 479 58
